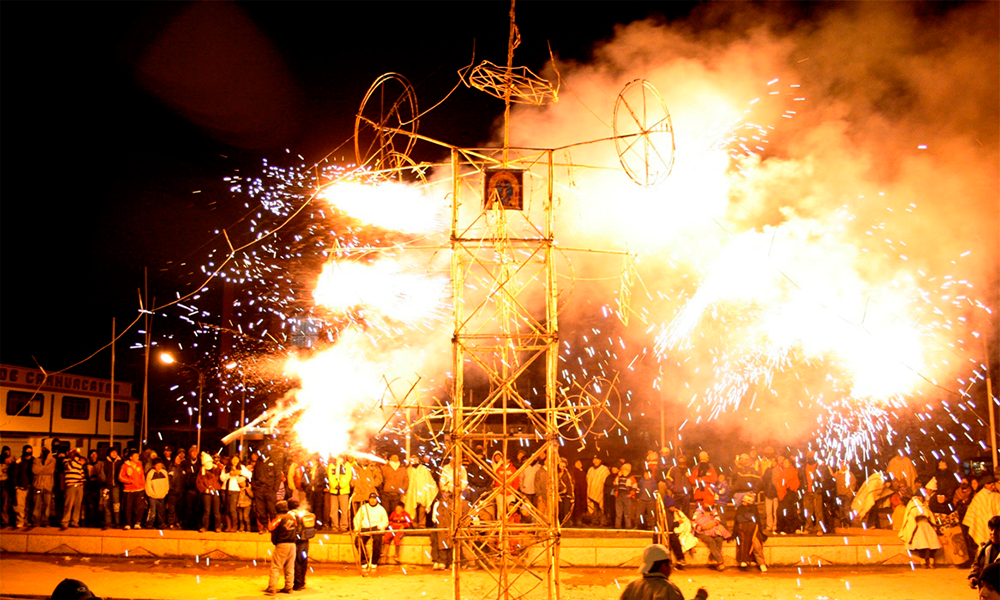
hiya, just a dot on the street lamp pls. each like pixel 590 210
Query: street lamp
pixel 170 360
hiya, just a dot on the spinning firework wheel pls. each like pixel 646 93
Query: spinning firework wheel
pixel 402 168
pixel 644 134
pixel 581 408
pixel 386 124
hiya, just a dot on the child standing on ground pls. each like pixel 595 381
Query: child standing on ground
pixel 243 503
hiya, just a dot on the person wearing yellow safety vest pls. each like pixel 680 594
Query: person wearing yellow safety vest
pixel 340 476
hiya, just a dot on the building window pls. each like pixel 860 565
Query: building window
pixel 121 412
pixel 75 407
pixel 25 404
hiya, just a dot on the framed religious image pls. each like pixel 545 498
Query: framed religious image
pixel 504 187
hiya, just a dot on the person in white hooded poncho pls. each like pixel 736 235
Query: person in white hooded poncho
pixel 595 490
pixel 871 492
pixel 449 473
pixel 420 493
pixel 917 531
pixel 985 505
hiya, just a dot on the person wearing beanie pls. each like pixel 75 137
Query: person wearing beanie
pixel 73 589
pixel 680 485
pixel 301 546
pixel 703 476
pixel 750 536
pixel 655 582
pixel 282 529
pixel 370 522
pixel 24 485
pixel 708 527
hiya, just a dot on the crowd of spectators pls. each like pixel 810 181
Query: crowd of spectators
pixel 754 496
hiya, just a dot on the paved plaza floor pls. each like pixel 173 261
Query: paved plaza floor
pixel 26 576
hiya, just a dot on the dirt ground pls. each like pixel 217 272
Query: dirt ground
pixel 33 576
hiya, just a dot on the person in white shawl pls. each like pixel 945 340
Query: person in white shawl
pixel 421 492
pixel 901 468
pixel 917 531
pixel 985 505
pixel 449 473
pixel 595 490
pixel 874 489
pixel 684 530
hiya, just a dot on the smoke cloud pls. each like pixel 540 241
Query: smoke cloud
pixel 825 248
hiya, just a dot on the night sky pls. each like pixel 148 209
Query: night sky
pixel 120 121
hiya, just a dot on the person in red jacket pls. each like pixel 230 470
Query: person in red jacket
pixel 209 485
pixel 787 485
pixel 399 520
pixel 135 488
pixel 503 473
pixel 702 477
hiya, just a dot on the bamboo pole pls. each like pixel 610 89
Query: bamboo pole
pixel 111 409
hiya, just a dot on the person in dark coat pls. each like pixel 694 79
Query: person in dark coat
pixel 6 486
pixel 301 550
pixel 750 536
pixel 175 494
pixel 680 485
pixel 92 513
pixel 442 514
pixel 24 486
pixel 655 582
pixel 989 588
pixel 264 484
pixel 282 528
pixel 108 471
pixel 988 553
pixel 192 497
pixel 395 481
pixel 945 480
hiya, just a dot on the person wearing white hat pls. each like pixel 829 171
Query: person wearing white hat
pixel 655 582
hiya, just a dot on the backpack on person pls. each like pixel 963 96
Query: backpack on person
pixel 305 525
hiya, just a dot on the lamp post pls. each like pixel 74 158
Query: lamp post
pixel 243 403
pixel 170 360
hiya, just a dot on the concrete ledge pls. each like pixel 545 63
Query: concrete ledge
pixel 577 549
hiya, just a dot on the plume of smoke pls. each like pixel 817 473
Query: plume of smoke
pixel 876 186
